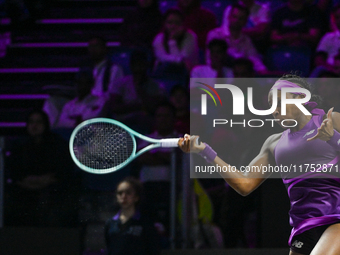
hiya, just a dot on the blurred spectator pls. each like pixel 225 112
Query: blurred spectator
pixel 104 71
pixel 320 64
pixel 243 68
pixel 258 20
pixel 176 44
pixel 296 24
pixel 198 19
pixel 218 62
pixel 141 26
pixel 136 95
pixel 179 97
pixel 129 232
pixel 336 64
pixel 41 171
pixel 84 106
pixel 330 42
pixel 155 172
pixel 240 45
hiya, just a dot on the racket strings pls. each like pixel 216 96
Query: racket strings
pixel 102 145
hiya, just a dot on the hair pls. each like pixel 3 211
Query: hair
pixel 45 119
pixel 179 87
pixel 241 7
pixel 180 39
pixel 101 39
pixel 336 8
pixel 137 186
pixel 322 54
pixel 138 55
pixel 218 42
pixel 303 84
pixel 168 105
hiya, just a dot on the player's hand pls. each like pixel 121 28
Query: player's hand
pixel 190 144
pixel 326 130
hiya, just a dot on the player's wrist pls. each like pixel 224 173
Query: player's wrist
pixel 334 141
pixel 208 153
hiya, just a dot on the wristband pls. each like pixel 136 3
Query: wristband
pixel 208 153
pixel 335 140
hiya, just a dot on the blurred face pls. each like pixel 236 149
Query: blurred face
pixel 292 112
pixel 35 125
pixel 237 19
pixel 174 24
pixel 97 50
pixel 217 55
pixel 145 3
pixel 337 18
pixel 165 119
pixel 242 71
pixel 185 3
pixel 179 99
pixel 126 196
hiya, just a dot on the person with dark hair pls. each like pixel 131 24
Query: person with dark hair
pixel 218 65
pixel 296 24
pixel 129 232
pixel 41 169
pixel 180 99
pixel 312 146
pixel 198 19
pixel 258 19
pixel 240 45
pixel 141 25
pixel 104 71
pixel 85 105
pixel 135 96
pixel 243 68
pixel 176 44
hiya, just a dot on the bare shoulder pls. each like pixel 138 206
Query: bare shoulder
pixel 270 143
pixel 336 120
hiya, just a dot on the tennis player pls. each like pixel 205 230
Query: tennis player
pixel 315 202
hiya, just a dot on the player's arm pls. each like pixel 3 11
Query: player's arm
pixel 242 182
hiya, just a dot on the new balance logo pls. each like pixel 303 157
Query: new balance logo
pixel 309 133
pixel 338 141
pixel 297 244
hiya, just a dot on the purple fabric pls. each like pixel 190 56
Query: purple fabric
pixel 314 197
pixel 335 141
pixel 208 153
pixel 285 84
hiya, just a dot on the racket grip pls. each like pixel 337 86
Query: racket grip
pixel 169 142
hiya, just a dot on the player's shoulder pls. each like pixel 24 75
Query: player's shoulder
pixel 272 140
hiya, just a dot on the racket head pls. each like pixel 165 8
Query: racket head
pixel 102 145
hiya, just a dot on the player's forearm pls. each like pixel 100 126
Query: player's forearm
pixel 241 183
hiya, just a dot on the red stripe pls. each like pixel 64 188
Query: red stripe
pixel 212 90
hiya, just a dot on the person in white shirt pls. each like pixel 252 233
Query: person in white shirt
pixel 104 71
pixel 84 106
pixel 330 42
pixel 176 44
pixel 240 45
pixel 217 67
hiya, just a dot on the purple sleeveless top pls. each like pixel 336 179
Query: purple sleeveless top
pixel 313 190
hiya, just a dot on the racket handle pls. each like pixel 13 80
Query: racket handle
pixel 169 142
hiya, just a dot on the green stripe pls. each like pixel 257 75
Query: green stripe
pixel 209 95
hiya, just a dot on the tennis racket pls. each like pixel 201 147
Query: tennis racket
pixel 104 145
